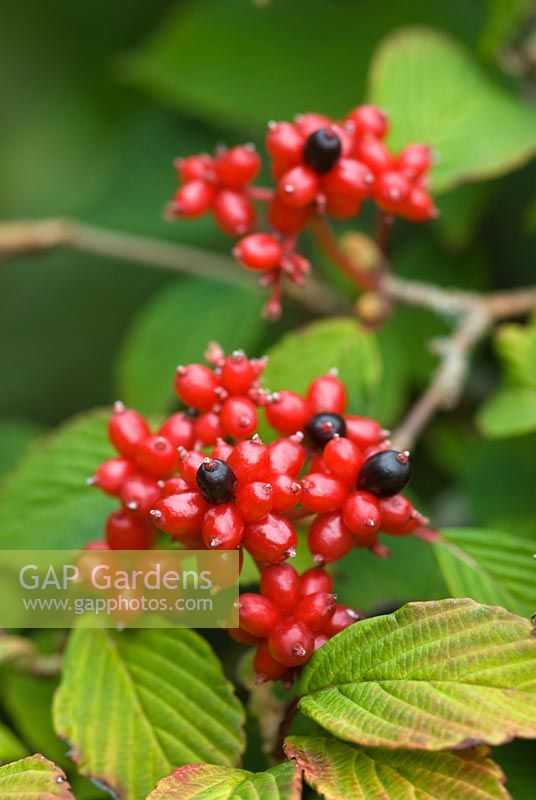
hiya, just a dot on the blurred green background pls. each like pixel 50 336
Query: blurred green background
pixel 97 100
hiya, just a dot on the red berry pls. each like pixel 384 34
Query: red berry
pixel 327 394
pixel 320 640
pixel 316 580
pixel 223 527
pixel 419 206
pixel 180 514
pixel 285 142
pixel 396 513
pixel 189 463
pixel 374 154
pixel 196 386
pixel 349 180
pixel 242 637
pixel 291 643
pixel 258 615
pixel 237 166
pixel 125 532
pixel 198 167
pixel 127 430
pixel 250 461
pixel 364 432
pixel 258 251
pixel 342 618
pixel 207 428
pixel 368 119
pixel 281 583
pixel 174 486
pixel 238 373
pixel 343 459
pixel 286 492
pixel 414 160
pixel 298 187
pixel 139 493
pixel 179 430
pixel 322 493
pixel 391 191
pixel 286 219
pixel 340 207
pixel 315 610
pixel 329 538
pixel 287 412
pixel 234 212
pixel 271 540
pixel 311 122
pixel 287 456
pixel 254 500
pixel 98 544
pixel 111 475
pixel 361 513
pixel 157 456
pixel 265 665
pixel 222 451
pixel 193 199
pixel 238 417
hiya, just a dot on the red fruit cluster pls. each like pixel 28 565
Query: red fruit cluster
pixel 321 167
pixel 225 395
pixel 291 618
pixel 219 184
pixel 235 497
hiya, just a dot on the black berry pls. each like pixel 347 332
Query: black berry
pixel 216 481
pixel 323 427
pixel 385 474
pixel 322 150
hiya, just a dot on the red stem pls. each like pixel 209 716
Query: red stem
pixel 364 278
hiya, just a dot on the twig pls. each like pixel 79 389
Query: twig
pixel 278 752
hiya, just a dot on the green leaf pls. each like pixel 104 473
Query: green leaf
pixel 208 782
pixel 33 778
pixel 430 676
pixel 302 355
pixel 489 566
pixel 510 412
pixel 175 327
pixel 45 502
pixel 481 132
pixel 136 704
pixel 15 437
pixel 516 346
pixel 10 747
pixel 339 771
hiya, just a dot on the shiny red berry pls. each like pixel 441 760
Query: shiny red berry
pixel 173 486
pixel 329 538
pixel 198 167
pixel 342 618
pixel 396 513
pixel 419 206
pixel 238 166
pixel 157 456
pixel 361 513
pixel 286 492
pixel 259 251
pixel 250 461
pixel 327 394
pixel 364 431
pixel 284 142
pixel 196 386
pixel 287 219
pixel 207 428
pixel 189 463
pixel 139 493
pixel 414 160
pixel 223 527
pixel 315 610
pixel 125 532
pixel 349 180
pixel 322 493
pixel 298 187
pixel 127 430
pixel 281 583
pixel 374 154
pixel 391 191
pixel 265 665
pixel 234 212
pixel 271 540
pixel 258 615
pixel 180 514
pixel 111 475
pixel 179 430
pixel 368 120
pixel 291 643
pixel 238 417
pixel 238 373
pixel 343 459
pixel 254 500
pixel 316 580
pixel 287 456
pixel 193 199
pixel 287 412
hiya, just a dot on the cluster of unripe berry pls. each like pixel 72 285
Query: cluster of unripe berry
pixel 321 167
pixel 206 479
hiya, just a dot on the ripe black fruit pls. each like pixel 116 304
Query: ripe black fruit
pixel 322 150
pixel 216 481
pixel 385 474
pixel 323 427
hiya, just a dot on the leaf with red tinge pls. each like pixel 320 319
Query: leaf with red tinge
pixel 209 782
pixel 339 771
pixel 34 778
pixel 431 676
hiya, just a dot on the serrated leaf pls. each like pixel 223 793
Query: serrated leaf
pixel 434 675
pixel 303 355
pixel 137 704
pixel 45 502
pixel 15 437
pixel 209 782
pixel 480 132
pixel 339 771
pixel 33 778
pixel 175 327
pixel 489 566
pixel 510 412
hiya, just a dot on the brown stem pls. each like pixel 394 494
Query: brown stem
pixel 363 277
pixel 278 753
pixel 382 234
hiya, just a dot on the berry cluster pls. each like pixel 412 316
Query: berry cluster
pixel 321 167
pixel 291 618
pixel 206 479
